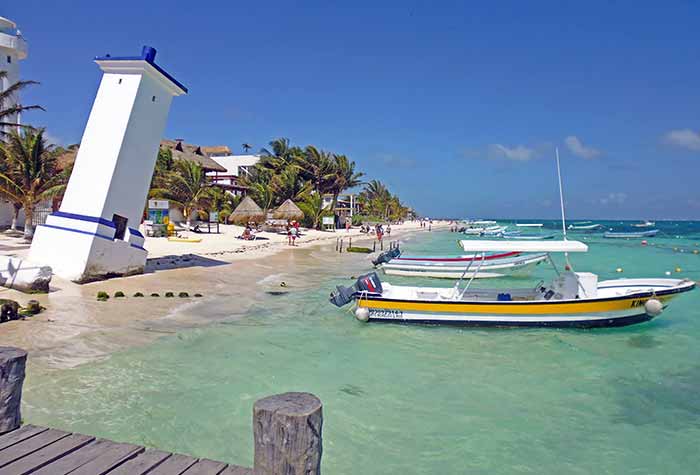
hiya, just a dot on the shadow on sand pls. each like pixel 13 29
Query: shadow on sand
pixel 180 262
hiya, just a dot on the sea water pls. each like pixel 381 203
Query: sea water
pixel 412 399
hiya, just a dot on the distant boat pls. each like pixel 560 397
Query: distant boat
pixel 531 237
pixel 529 225
pixel 629 235
pixel 645 224
pixel 585 227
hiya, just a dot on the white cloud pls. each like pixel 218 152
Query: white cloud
pixel 52 139
pixel 613 198
pixel 518 153
pixel 577 148
pixel 684 138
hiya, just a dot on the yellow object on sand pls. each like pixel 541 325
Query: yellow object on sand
pixel 183 239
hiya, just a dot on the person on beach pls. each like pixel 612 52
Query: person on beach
pixel 379 231
pixel 288 228
pixel 388 229
pixel 293 233
pixel 348 223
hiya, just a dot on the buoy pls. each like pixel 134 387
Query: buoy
pixel 362 314
pixel 668 272
pixel 644 243
pixel 653 307
pixel 678 269
pixel 619 269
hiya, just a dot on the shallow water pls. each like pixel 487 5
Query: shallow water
pixel 412 399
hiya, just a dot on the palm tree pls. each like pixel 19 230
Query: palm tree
pixel 317 167
pixel 345 177
pixel 10 111
pixel 246 147
pixel 312 206
pixel 186 185
pixel 30 174
pixel 279 156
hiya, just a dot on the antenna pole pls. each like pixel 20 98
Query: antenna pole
pixel 561 195
pixel 561 202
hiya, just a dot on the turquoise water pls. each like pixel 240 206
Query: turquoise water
pixel 411 399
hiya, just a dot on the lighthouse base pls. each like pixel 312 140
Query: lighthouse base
pixel 85 255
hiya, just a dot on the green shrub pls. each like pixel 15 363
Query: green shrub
pixel 138 294
pixel 198 295
pixel 169 294
pixel 155 294
pixel 183 295
pixel 102 296
pixel 119 294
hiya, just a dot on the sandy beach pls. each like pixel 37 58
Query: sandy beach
pixel 76 328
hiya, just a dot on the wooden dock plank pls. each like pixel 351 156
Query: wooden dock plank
pixel 173 465
pixel 95 458
pixel 237 470
pixel 30 445
pixel 46 455
pixel 142 463
pixel 206 467
pixel 24 432
pixel 75 459
pixel 108 459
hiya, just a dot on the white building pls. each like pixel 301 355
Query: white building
pixel 13 49
pixel 95 232
pixel 237 167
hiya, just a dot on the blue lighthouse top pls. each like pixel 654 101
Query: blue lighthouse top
pixel 148 54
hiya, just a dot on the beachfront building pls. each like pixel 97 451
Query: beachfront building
pixel 346 206
pixel 13 49
pixel 236 167
pixel 95 232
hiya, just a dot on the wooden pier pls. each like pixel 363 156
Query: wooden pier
pixel 286 431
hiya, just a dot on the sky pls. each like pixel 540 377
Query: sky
pixel 457 106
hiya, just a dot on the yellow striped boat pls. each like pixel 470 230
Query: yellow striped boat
pixel 572 299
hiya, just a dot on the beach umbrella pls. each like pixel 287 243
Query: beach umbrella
pixel 288 210
pixel 246 212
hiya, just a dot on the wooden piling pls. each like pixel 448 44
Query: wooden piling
pixel 12 364
pixel 287 434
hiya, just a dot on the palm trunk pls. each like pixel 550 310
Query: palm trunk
pixel 28 226
pixel 16 207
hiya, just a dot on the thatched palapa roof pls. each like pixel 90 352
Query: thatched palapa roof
pixel 179 149
pixel 217 150
pixel 247 211
pixel 288 210
pixel 193 153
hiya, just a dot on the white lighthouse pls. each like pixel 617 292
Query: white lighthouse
pixel 13 49
pixel 95 232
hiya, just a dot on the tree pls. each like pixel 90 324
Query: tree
pixel 9 112
pixel 345 177
pixel 317 167
pixel 312 206
pixel 30 174
pixel 246 147
pixel 186 185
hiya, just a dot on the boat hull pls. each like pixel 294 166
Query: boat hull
pixel 451 270
pixel 632 235
pixel 589 313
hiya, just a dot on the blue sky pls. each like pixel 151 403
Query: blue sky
pixel 457 106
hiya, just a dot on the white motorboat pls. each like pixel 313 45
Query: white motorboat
pixel 572 299
pixel 645 224
pixel 518 265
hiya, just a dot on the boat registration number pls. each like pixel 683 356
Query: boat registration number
pixel 380 313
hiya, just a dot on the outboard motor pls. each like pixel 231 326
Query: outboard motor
pixel 368 283
pixel 386 256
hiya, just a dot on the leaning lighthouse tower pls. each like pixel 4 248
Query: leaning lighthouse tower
pixel 13 49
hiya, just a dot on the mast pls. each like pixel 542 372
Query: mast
pixel 561 202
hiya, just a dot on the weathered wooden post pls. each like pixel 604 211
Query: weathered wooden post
pixel 287 434
pixel 12 363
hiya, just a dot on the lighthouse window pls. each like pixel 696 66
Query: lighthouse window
pixel 153 99
pixel 9 59
pixel 120 80
pixel 120 224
